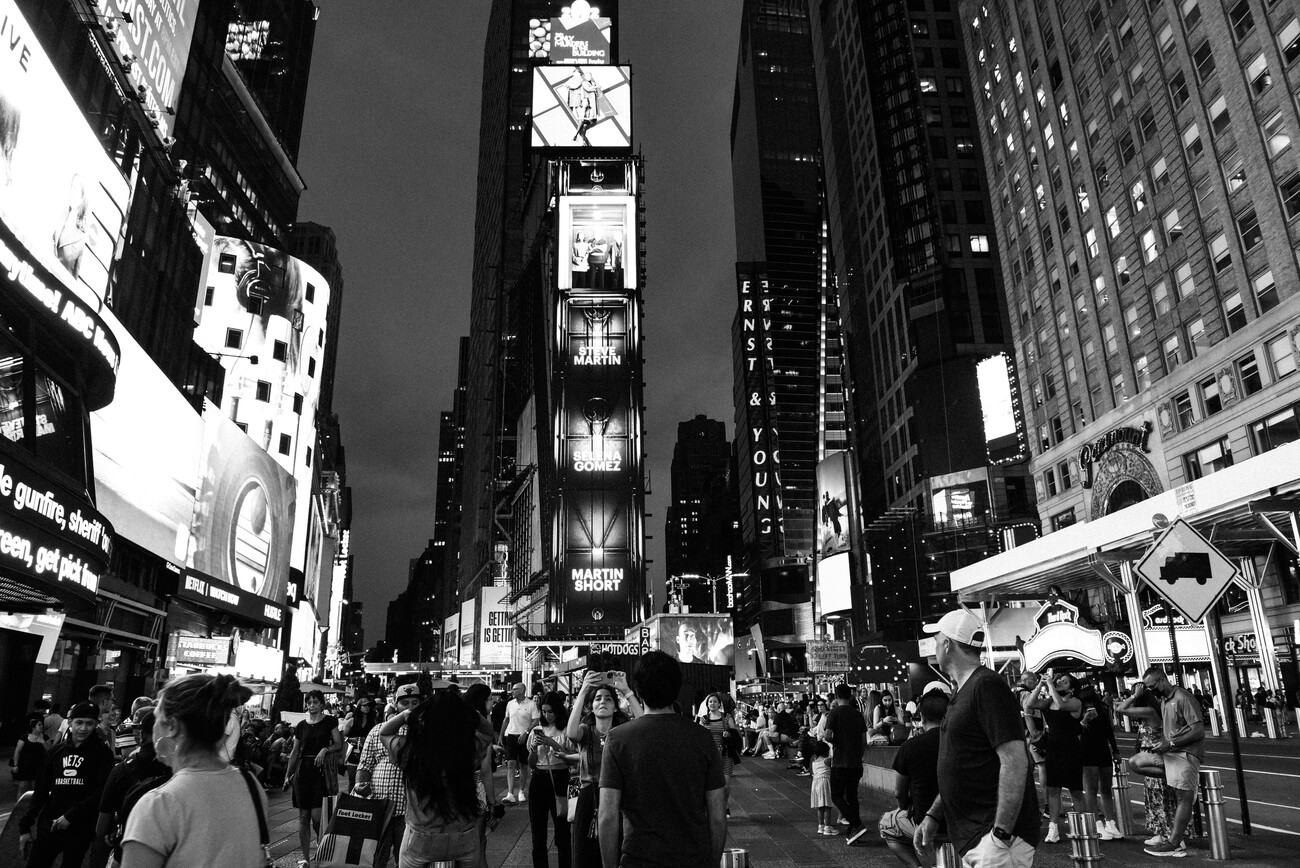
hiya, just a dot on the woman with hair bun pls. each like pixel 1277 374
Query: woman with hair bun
pixel 207 813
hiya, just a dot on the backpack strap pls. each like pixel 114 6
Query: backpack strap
pixel 263 833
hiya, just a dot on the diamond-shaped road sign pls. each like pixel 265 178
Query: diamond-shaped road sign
pixel 1187 570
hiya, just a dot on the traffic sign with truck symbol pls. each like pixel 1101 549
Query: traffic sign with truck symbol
pixel 1187 570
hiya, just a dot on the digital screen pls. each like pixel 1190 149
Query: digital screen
pixel 833 505
pixel 582 107
pixel 1003 431
pixel 496 627
pixel 158 35
pixel 696 638
pixel 60 194
pixel 579 35
pixel 833 593
pixel 594 250
pixel 597 177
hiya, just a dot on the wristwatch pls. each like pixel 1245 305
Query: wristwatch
pixel 1002 834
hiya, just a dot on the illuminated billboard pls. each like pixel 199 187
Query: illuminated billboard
pixel 760 450
pixel 579 35
pixel 599 582
pixel 833 583
pixel 597 243
pixel 60 194
pixel 1004 429
pixel 468 625
pixel 263 313
pixel 157 34
pixel 582 107
pixel 694 638
pixel 496 627
pixel 834 506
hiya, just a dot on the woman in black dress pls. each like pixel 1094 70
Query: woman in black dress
pixel 1064 767
pixel 313 768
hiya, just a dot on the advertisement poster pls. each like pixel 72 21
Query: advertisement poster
pixel 582 107
pixel 244 512
pixel 497 628
pixel 59 192
pixel 696 638
pixel 593 236
pixel 833 514
pixel 468 624
pixel 157 35
pixel 833 594
pixel 451 639
pixel 579 36
pixel 1004 430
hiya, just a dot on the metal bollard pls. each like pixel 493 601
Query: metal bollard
pixel 1241 722
pixel 1119 791
pixel 1214 722
pixel 1085 845
pixel 945 856
pixel 1216 820
pixel 1270 722
pixel 735 858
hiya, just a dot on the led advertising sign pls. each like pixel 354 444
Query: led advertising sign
pixel 579 35
pixel 599 576
pixel 834 511
pixel 763 452
pixel 224 597
pixel 156 35
pixel 48 534
pixel 833 593
pixel 595 250
pixel 60 194
pixel 695 638
pixel 1004 429
pixel 582 107
pixel 496 627
pixel 467 627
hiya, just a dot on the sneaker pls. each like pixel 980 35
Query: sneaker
pixel 1153 841
pixel 841 822
pixel 770 755
pixel 821 830
pixel 1053 834
pixel 853 833
pixel 831 832
pixel 508 799
pixel 1106 833
pixel 1114 830
pixel 522 798
pixel 802 774
pixel 1168 848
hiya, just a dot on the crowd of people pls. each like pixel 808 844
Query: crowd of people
pixel 617 774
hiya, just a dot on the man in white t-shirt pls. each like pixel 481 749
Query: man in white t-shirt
pixel 522 714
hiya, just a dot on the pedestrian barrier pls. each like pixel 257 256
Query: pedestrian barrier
pixel 1085 844
pixel 945 856
pixel 1119 791
pixel 1216 819
pixel 735 857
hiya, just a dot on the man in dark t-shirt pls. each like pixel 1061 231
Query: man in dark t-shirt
pixel 845 729
pixel 661 775
pixel 916 779
pixel 986 786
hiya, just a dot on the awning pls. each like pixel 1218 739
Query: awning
pixel 1218 505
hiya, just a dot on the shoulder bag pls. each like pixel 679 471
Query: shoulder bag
pixel 263 832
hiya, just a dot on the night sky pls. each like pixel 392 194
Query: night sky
pixel 389 154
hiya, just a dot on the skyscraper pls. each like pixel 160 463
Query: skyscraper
pixel 698 536
pixel 782 327
pixel 920 293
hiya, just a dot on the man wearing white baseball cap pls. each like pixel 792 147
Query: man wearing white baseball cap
pixel 986 787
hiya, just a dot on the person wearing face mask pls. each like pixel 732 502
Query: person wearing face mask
pixel 1176 757
pixel 208 812
pixel 65 802
pixel 121 793
pixel 589 732
pixel 313 765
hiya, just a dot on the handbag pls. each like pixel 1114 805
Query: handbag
pixel 263 832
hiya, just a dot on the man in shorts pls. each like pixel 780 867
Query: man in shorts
pixel 916 779
pixel 522 714
pixel 1178 756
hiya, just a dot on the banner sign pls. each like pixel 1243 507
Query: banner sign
pixel 827 655
pixel 497 628
pixel 224 597
pixel 157 34
pixel 199 651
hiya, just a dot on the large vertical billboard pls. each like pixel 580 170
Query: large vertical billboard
pixel 582 107
pixel 834 505
pixel 580 35
pixel 263 314
pixel 597 241
pixel 60 194
pixel 496 627
pixel 758 371
pixel 156 35
pixel 1004 429
pixel 599 472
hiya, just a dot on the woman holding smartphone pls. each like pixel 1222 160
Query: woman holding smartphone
pixel 548 792
pixel 589 732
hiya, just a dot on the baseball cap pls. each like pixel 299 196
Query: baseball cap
pixel 84 711
pixel 406 690
pixel 962 625
pixel 941 686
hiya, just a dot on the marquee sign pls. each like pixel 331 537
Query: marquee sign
pixel 1059 635
pixel 1092 452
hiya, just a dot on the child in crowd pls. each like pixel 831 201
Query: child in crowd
pixel 821 788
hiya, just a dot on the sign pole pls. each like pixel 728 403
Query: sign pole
pixel 1173 645
pixel 1230 720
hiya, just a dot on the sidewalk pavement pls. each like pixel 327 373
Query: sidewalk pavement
pixel 771 818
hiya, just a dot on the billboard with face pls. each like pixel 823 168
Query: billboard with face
pixel 60 194
pixel 695 638
pixel 833 506
pixel 582 107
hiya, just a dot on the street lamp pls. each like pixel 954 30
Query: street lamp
pixel 781 660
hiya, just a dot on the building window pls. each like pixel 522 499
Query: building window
pixel 1234 173
pixel 979 244
pixel 1276 430
pixel 1142 368
pixel 1248 229
pixel 311 292
pixel 1063 475
pixel 226 263
pixel 1280 357
pixel 311 367
pixel 1183 278
pixel 1112 221
pixel 1209 459
pixel 1159 175
pixel 1195 337
pixel 1234 312
pixel 1192 142
pixel 1049 482
pixel 263 391
pixel 1220 255
pixel 1109 339
pixel 1090 240
pixel 1118 388
pixel 1063 519
pixel 1211 400
pixel 1288 40
pixel 280 351
pixel 1290 192
pixel 1191 11
pixel 1178 89
pixel 1241 19
pixel 1183 410
pixel 1116 102
pixel 297 404
pixel 1173 353
pixel 1248 374
pixel 1166 37
pixel 1265 291
pixel 1276 137
pixel 1149 249
pixel 1135 76
pixel 286 442
pixel 207 296
pixel 234 339
pixel 1203 57
pixel 1220 119
pixel 1258 75
pixel 1160 298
